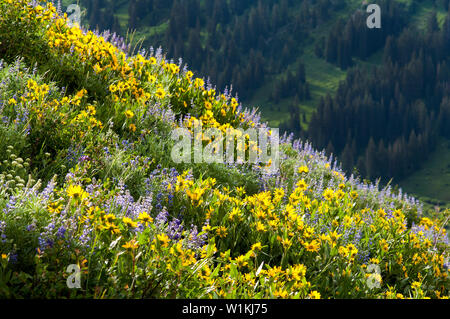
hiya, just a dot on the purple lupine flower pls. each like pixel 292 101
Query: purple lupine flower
pixel 11 205
pixel 2 231
pixel 85 236
pixel 45 194
pixel 175 229
pixel 447 265
pixel 195 240
pixel 45 238
pixel 162 217
pixel 13 257
pixel 106 150
pixel 84 158
pixel 61 232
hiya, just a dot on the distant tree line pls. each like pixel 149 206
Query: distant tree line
pixel 242 42
pixel 238 42
pixel 291 84
pixel 354 39
pixel 385 120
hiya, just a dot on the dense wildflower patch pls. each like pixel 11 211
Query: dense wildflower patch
pixel 86 178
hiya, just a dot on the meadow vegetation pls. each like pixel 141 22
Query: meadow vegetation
pixel 86 178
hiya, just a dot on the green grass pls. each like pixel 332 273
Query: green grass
pixel 323 78
pixel 431 184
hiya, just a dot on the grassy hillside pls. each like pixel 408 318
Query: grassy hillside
pixel 432 183
pixel 322 77
pixel 87 179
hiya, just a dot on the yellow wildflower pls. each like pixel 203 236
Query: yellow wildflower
pixel 384 245
pixel 145 218
pixel 221 232
pixel 164 239
pixel 54 207
pixel 189 75
pixel 129 222
pixel 416 285
pixel 314 295
pixel 353 194
pixel 160 93
pixel 129 114
pixel 260 227
pixel 112 228
pixel 301 185
pixel 132 244
pixel 241 261
pixel 76 192
pixel 281 293
pixel 199 83
pixel 312 246
pixel 303 169
pixel 257 246
pixel 109 218
pixel 328 194
pixel 174 68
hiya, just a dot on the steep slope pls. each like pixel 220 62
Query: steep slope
pixel 94 126
pixel 302 50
